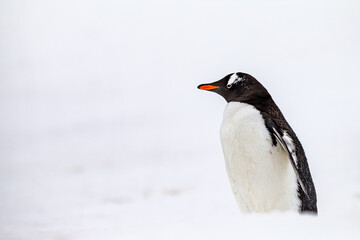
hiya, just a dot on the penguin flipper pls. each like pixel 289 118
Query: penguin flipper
pixel 287 144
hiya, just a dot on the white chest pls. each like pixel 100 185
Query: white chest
pixel 260 174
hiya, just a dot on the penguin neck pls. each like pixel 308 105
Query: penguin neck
pixel 261 100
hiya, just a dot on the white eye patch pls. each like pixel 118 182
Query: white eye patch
pixel 232 80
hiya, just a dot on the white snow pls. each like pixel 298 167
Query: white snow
pixel 104 135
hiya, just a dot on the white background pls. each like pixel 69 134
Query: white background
pixel 104 135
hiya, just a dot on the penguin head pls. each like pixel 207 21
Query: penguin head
pixel 236 87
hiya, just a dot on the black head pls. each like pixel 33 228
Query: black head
pixel 239 86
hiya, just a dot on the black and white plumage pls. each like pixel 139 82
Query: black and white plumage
pixel 265 160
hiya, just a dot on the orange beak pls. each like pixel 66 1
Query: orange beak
pixel 207 87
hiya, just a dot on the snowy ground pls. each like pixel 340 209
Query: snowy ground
pixel 103 134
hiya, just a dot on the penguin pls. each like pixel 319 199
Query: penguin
pixel 265 161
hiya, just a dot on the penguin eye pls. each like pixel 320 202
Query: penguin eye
pixel 234 79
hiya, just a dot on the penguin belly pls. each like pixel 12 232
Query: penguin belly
pixel 260 174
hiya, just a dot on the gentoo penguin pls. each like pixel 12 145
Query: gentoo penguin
pixel 265 161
